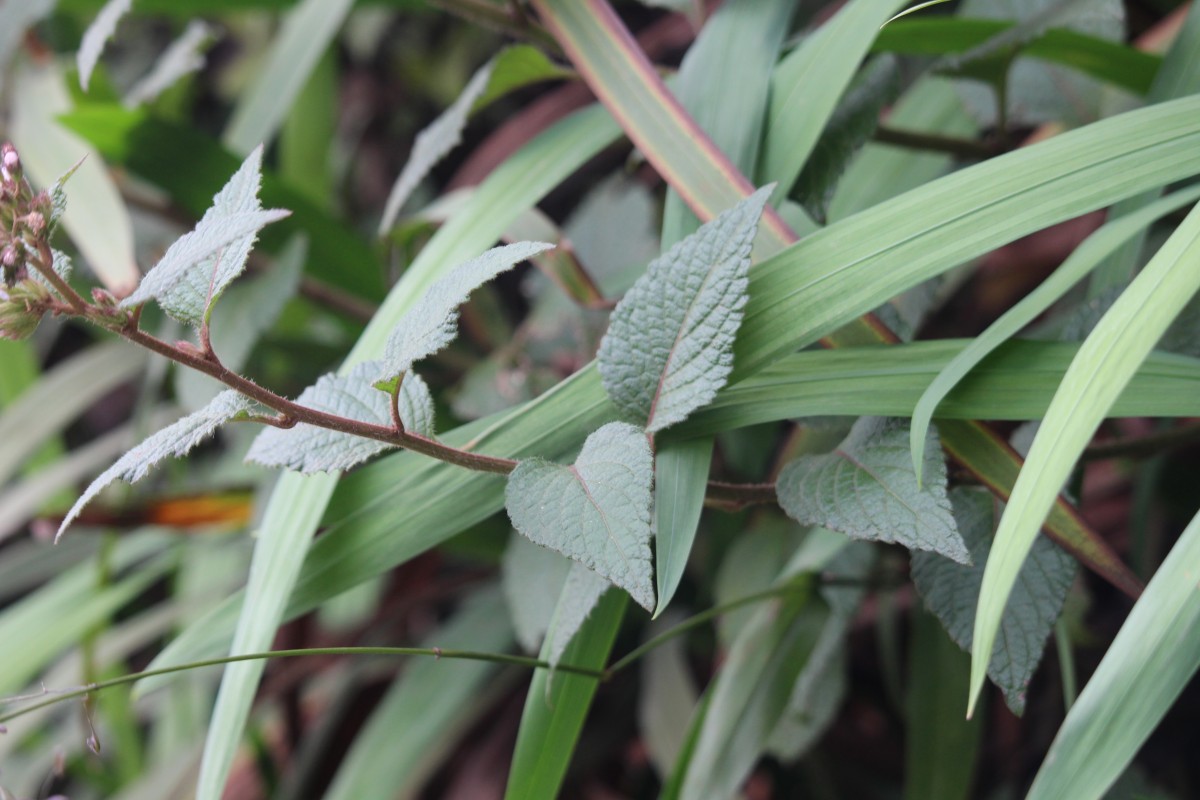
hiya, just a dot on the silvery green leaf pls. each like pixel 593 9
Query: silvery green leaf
pixel 190 277
pixel 432 144
pixel 951 592
pixel 596 511
pixel 580 594
pixel 174 440
pixel 816 696
pixel 307 448
pixel 433 323
pixel 15 19
pixel 867 489
pixel 96 35
pixel 181 58
pixel 669 346
pixel 532 578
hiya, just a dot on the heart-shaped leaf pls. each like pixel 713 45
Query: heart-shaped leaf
pixel 596 511
pixel 867 489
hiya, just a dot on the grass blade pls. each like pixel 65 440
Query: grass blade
pixel 1105 363
pixel 1154 656
pixel 1083 260
pixel 262 108
pixel 557 704
pixel 681 479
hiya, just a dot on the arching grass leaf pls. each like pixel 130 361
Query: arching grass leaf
pixel 867 489
pixel 596 511
pixel 1106 362
pixel 97 35
pixel 952 590
pixel 181 58
pixel 669 346
pixel 174 440
pixel 308 448
pixel 432 144
pixel 433 323
pixel 190 277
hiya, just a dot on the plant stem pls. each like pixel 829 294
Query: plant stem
pixel 736 496
pixel 436 652
pixel 920 140
pixel 1145 446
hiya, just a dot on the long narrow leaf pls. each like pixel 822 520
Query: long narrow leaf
pixel 1154 656
pixel 1079 264
pixel 1107 360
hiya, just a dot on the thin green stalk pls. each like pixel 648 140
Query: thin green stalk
pixel 1066 663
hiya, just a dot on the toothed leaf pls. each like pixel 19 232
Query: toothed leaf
pixel 867 489
pixel 308 448
pixel 190 277
pixel 182 57
pixel 669 346
pixel 97 35
pixel 433 323
pixel 174 440
pixel 951 592
pixel 596 511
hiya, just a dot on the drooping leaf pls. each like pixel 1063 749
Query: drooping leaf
pixel 668 696
pixel 1104 365
pixel 97 35
pixel 307 448
pixel 182 57
pixel 1153 659
pixel 433 323
pixel 581 593
pixel 816 696
pixel 951 592
pixel 596 511
pixel 867 489
pixel 432 144
pixel 190 277
pixel 669 346
pixel 174 440
pixel 532 578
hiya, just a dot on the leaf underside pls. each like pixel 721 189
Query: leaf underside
pixel 307 448
pixel 174 440
pixel 596 511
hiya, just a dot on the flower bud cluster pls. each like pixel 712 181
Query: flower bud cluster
pixel 24 216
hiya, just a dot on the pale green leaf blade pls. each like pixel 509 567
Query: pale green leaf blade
pixel 667 699
pixel 246 311
pixel 1155 655
pixel 296 504
pixel 96 217
pixel 680 482
pixel 724 83
pixel 532 578
pixel 805 90
pixel 308 448
pixel 1106 362
pixel 182 57
pixel 433 323
pixel 751 693
pixel 432 144
pixel 15 19
pixel 816 695
pixel 556 706
pixel 951 591
pixel 596 511
pixel 1085 258
pixel 866 489
pixel 97 35
pixel 941 748
pixel 306 33
pixel 581 593
pixel 669 346
pixel 174 440
pixel 429 703
pixel 60 395
pixel 195 270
